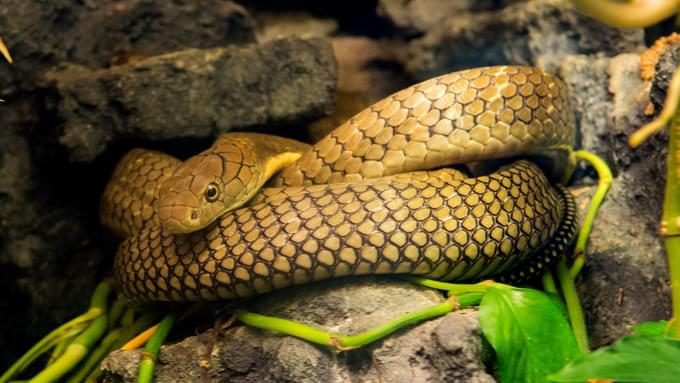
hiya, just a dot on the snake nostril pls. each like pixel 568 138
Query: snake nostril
pixel 194 214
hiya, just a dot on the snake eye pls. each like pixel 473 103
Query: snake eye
pixel 211 192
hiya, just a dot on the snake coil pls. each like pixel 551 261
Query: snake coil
pixel 360 201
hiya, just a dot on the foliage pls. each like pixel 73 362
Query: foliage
pixel 529 331
pixel 638 358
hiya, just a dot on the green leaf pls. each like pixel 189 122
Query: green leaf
pixel 635 358
pixel 651 328
pixel 529 332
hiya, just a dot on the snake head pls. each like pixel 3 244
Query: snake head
pixel 194 196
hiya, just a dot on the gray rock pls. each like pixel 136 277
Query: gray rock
pixel 445 349
pixel 48 263
pixel 192 93
pixel 590 99
pixel 42 34
pixel 664 70
pixel 625 279
pixel 539 32
pixel 277 25
pixel 418 16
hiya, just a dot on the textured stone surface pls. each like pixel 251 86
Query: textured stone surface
pixel 590 99
pixel 624 281
pixel 538 32
pixel 663 72
pixel 277 25
pixel 192 93
pixel 48 260
pixel 417 16
pixel 445 349
pixel 95 33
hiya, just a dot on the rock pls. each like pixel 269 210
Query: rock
pixel 538 32
pixel 625 279
pixel 42 34
pixel 191 93
pixel 588 80
pixel 277 25
pixel 414 17
pixel 49 263
pixel 444 349
pixel 664 70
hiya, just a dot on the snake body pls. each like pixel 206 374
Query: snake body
pixel 346 207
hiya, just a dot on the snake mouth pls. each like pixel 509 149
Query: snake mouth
pixel 178 219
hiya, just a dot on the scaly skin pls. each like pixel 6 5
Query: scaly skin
pixel 360 220
pixel 172 194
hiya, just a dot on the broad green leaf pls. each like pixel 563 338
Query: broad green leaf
pixel 529 332
pixel 635 358
pixel 651 328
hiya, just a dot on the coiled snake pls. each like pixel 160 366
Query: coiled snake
pixel 357 202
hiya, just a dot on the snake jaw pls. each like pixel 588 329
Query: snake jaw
pixel 177 219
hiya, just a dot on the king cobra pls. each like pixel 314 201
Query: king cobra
pixel 363 200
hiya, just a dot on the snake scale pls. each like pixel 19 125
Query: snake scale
pixel 361 200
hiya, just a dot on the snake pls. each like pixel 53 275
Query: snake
pixel 380 194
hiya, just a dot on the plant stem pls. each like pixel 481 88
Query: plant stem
pixel 670 221
pixel 95 357
pixel 65 331
pixel 81 345
pixel 549 283
pixel 285 326
pixel 344 342
pixel 353 341
pixel 452 288
pixel 118 308
pixel 605 179
pixel 573 303
pixel 150 354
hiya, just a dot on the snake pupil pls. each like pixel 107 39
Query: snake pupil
pixel 211 192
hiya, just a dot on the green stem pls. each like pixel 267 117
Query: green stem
pixel 74 353
pixel 128 317
pixel 342 342
pixel 81 345
pixel 118 309
pixel 61 346
pixel 127 330
pixel 95 357
pixel 549 283
pixel 455 288
pixel 67 330
pixel 353 341
pixel 578 324
pixel 153 346
pixel 64 331
pixel 673 251
pixel 670 227
pixel 605 179
pixel 285 326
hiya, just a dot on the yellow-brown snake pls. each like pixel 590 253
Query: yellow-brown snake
pixel 360 201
